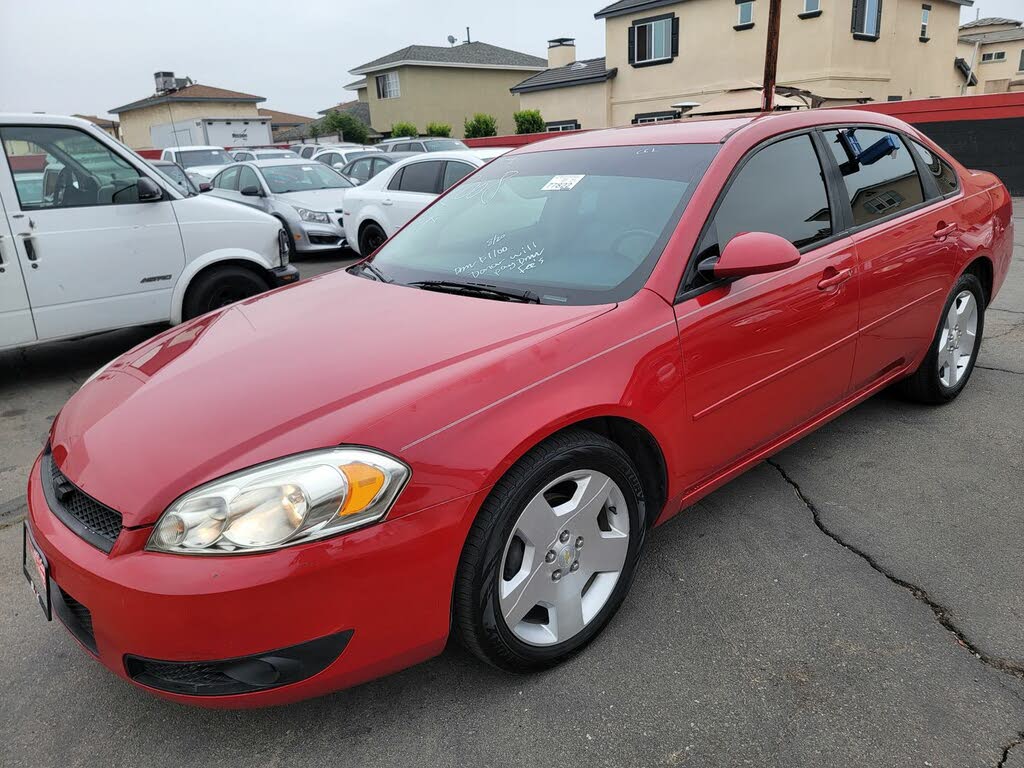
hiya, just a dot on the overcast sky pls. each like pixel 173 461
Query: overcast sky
pixel 87 56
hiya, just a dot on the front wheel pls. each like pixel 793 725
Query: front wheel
pixel 371 237
pixel 219 287
pixel 950 361
pixel 552 553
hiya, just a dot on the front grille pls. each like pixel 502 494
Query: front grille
pixel 76 617
pixel 324 240
pixel 96 523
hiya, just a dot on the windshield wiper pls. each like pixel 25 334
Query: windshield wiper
pixel 483 290
pixel 365 265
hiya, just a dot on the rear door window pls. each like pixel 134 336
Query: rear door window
pixel 945 177
pixel 780 190
pixel 422 177
pixel 880 176
pixel 360 169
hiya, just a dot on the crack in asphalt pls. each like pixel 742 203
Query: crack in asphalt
pixel 942 614
pixel 1006 750
pixel 1000 370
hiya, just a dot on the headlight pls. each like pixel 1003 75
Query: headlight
pixel 317 216
pixel 282 503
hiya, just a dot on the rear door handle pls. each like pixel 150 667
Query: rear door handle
pixel 386 202
pixel 942 232
pixel 835 279
pixel 30 249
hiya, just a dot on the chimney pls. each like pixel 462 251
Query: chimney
pixel 164 81
pixel 561 52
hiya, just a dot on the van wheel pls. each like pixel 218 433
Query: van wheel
pixel 371 237
pixel 219 287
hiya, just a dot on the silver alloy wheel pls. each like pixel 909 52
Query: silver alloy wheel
pixel 958 339
pixel 564 557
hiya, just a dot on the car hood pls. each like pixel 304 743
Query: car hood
pixel 326 200
pixel 317 364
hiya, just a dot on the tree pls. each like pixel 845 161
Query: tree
pixel 439 129
pixel 403 128
pixel 529 121
pixel 314 130
pixel 481 125
pixel 348 126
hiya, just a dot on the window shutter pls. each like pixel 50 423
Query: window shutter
pixel 858 12
pixel 631 32
pixel 675 36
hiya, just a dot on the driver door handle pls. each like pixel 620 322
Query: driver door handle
pixel 942 232
pixel 30 249
pixel 835 279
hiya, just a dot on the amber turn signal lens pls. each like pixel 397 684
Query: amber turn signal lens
pixel 364 483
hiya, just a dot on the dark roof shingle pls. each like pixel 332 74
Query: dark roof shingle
pixel 577 73
pixel 990 21
pixel 360 110
pixel 470 54
pixel 195 92
pixel 999 36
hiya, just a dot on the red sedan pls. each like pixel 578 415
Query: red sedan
pixel 472 432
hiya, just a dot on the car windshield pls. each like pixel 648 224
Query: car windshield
pixel 281 154
pixel 443 145
pixel 575 226
pixel 191 158
pixel 303 178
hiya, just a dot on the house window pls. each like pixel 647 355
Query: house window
pixel 1020 67
pixel 562 125
pixel 645 118
pixel 745 13
pixel 811 6
pixel 654 40
pixel 867 19
pixel 994 56
pixel 387 86
pixel 926 12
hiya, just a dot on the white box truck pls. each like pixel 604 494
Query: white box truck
pixel 213 131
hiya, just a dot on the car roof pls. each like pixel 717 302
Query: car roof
pixel 188 147
pixel 281 161
pixel 455 154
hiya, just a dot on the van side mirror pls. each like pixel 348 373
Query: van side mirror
pixel 251 191
pixel 149 191
pixel 751 253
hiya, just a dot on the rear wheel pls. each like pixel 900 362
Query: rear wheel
pixel 219 287
pixel 552 553
pixel 950 361
pixel 371 237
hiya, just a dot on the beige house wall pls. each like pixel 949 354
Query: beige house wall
pixel 447 95
pixel 135 124
pixel 588 104
pixel 994 76
pixel 817 52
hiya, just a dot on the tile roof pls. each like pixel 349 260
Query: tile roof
pixel 355 85
pixel 999 36
pixel 102 122
pixel 283 117
pixel 577 73
pixel 195 92
pixel 623 7
pixel 990 21
pixel 360 110
pixel 467 54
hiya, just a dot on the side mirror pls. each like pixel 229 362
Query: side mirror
pixel 251 191
pixel 149 190
pixel 205 186
pixel 751 253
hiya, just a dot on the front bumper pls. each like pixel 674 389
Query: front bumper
pixel 313 237
pixel 284 275
pixel 388 585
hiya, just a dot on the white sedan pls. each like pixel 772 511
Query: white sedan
pixel 383 205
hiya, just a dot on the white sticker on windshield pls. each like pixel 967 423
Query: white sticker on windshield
pixel 307 167
pixel 562 183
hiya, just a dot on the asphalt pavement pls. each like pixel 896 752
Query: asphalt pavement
pixel 858 600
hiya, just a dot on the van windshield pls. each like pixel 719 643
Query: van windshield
pixel 574 226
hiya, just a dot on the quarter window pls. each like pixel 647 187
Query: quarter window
pixel 653 40
pixel 361 169
pixel 227 179
pixel 880 176
pixel 867 17
pixel 945 177
pixel 66 168
pixel 387 86
pixel 247 178
pixel 780 190
pixel 455 172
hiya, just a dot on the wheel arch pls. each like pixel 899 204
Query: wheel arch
pixel 984 269
pixel 227 258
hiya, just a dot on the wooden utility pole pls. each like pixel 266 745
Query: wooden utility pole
pixel 771 55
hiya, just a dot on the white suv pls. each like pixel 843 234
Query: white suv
pixel 94 238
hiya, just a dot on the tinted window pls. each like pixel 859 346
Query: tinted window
pixel 421 177
pixel 379 165
pixel 945 176
pixel 227 179
pixel 454 172
pixel 360 169
pixel 329 158
pixel 247 178
pixel 401 148
pixel 880 174
pixel 780 190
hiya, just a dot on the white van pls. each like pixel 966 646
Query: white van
pixel 94 238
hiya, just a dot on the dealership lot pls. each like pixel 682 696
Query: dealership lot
pixel 855 601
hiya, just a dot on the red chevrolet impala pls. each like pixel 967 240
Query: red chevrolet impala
pixel 472 432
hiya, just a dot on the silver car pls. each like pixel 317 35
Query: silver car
pixel 305 195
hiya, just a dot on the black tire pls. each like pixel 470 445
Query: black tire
pixel 219 287
pixel 925 385
pixel 371 237
pixel 477 619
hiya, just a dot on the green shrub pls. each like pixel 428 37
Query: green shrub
pixel 439 129
pixel 345 124
pixel 402 128
pixel 481 125
pixel 529 121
